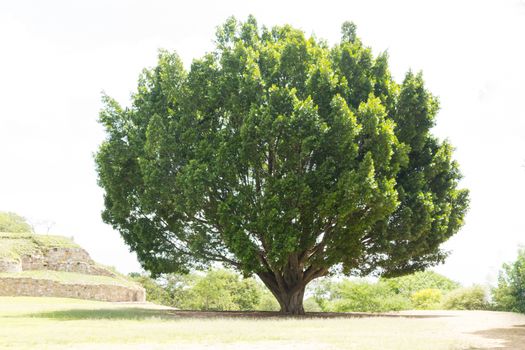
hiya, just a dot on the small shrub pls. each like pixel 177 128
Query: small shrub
pixel 426 299
pixel 472 298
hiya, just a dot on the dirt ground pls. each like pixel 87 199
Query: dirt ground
pixel 494 330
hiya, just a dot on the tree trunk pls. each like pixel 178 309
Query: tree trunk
pixel 292 303
pixel 287 285
pixel 290 297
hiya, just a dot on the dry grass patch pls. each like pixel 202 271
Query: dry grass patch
pixel 52 323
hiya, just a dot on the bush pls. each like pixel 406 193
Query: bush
pixel 510 293
pixel 410 284
pixel 219 290
pixel 426 299
pixel 359 296
pixel 212 292
pixel 472 298
pixel 421 290
pixel 223 290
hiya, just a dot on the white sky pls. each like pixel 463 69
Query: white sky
pixel 57 56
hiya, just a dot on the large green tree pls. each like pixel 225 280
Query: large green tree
pixel 283 157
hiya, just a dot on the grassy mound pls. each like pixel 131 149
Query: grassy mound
pixel 37 265
pixel 14 245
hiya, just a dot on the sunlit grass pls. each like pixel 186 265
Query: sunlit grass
pixel 55 323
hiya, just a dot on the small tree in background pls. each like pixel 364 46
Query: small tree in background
pixel 217 290
pixel 221 290
pixel 282 157
pixel 510 292
pixel 11 222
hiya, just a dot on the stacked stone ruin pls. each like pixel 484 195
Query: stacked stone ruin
pixel 66 259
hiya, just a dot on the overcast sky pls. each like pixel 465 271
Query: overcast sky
pixel 57 56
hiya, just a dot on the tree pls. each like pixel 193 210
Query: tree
pixel 11 222
pixel 510 293
pixel 282 157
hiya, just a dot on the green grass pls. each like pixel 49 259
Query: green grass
pixel 49 241
pixel 19 235
pixel 72 277
pixel 14 245
pixel 55 323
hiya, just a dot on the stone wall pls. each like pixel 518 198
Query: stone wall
pixel 10 266
pixel 63 259
pixel 10 286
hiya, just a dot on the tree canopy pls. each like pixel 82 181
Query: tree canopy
pixel 280 156
pixel 11 222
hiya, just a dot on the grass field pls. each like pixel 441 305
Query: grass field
pixel 54 323
pixel 71 277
